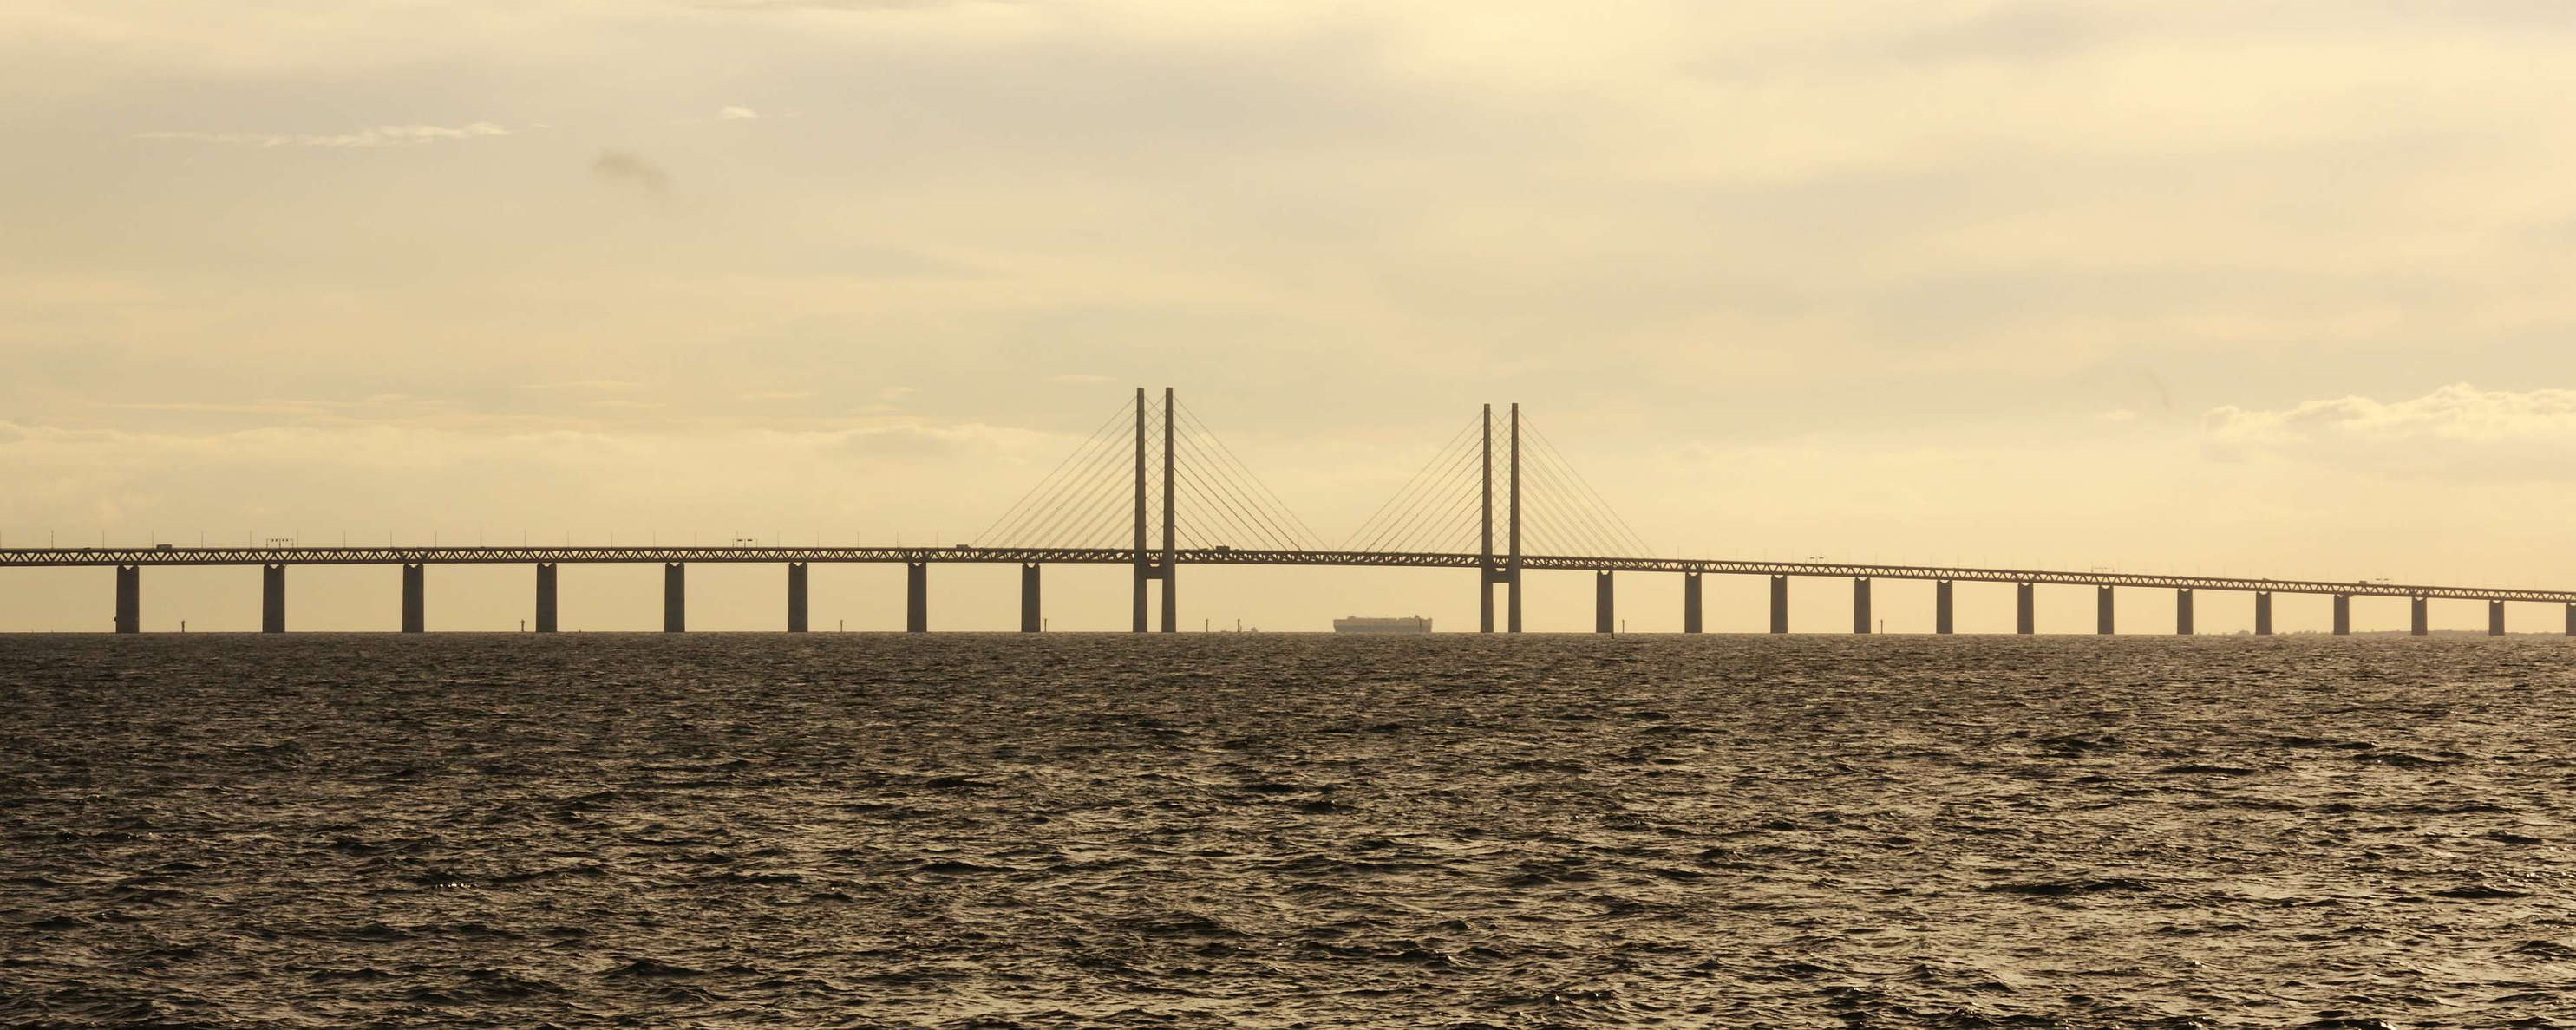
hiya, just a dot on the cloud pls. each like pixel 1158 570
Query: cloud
pixel 2458 431
pixel 383 405
pixel 2011 32
pixel 730 113
pixel 373 136
pixel 620 166
pixel 833 5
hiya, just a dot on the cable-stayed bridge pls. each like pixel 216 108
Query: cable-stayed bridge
pixel 1155 489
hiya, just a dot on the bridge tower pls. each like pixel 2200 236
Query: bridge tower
pixel 1171 607
pixel 1150 566
pixel 1488 571
pixel 1512 564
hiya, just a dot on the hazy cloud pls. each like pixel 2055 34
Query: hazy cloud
pixel 620 166
pixel 386 405
pixel 373 136
pixel 836 5
pixel 730 113
pixel 2012 32
pixel 2456 430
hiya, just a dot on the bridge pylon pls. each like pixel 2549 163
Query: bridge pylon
pixel 1151 565
pixel 1103 501
pixel 1506 571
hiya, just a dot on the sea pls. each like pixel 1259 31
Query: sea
pixel 1275 830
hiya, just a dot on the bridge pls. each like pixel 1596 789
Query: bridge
pixel 1454 499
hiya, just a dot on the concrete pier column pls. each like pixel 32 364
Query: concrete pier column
pixel 2495 618
pixel 415 614
pixel 2102 607
pixel 675 597
pixel 1485 599
pixel 2182 612
pixel 2420 621
pixel 2262 613
pixel 1030 620
pixel 1779 604
pixel 2343 615
pixel 2571 620
pixel 1860 604
pixel 796 607
pixel 1142 575
pixel 2025 608
pixel 1691 604
pixel 129 599
pixel 1171 598
pixel 1941 606
pixel 916 597
pixel 1604 615
pixel 272 598
pixel 546 597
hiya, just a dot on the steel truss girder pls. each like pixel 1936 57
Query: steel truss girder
pixel 186 556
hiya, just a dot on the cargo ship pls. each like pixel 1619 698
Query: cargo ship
pixel 1359 624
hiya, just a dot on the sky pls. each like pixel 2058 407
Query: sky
pixel 2266 289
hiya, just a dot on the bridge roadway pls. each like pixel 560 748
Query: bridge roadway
pixel 548 555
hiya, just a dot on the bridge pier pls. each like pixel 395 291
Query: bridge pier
pixel 916 597
pixel 1779 604
pixel 1941 606
pixel 1030 621
pixel 2420 622
pixel 2025 608
pixel 1691 604
pixel 129 599
pixel 2182 612
pixel 2495 618
pixel 1603 604
pixel 1860 604
pixel 675 597
pixel 1171 587
pixel 2262 613
pixel 2571 620
pixel 796 597
pixel 415 594
pixel 1487 578
pixel 2102 608
pixel 545 597
pixel 2343 615
pixel 1142 574
pixel 272 598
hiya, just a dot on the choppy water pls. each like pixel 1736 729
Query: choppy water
pixel 1269 830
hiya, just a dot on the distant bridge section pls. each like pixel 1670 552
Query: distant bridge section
pixel 194 556
pixel 1468 508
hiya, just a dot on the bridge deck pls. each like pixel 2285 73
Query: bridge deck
pixel 185 556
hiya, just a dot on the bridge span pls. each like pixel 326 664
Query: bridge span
pixel 273 561
pixel 1456 500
